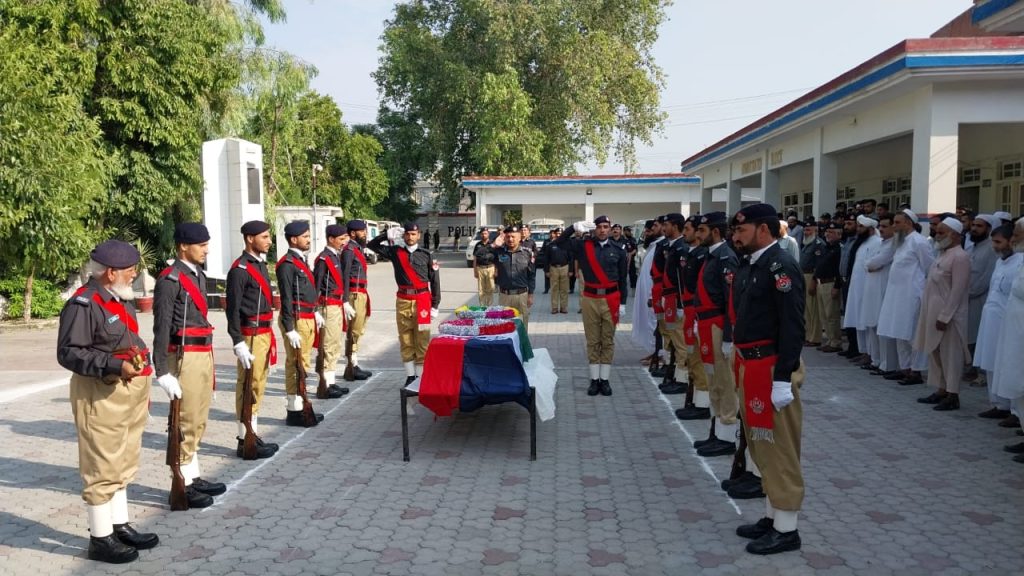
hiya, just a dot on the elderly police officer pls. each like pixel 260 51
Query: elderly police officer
pixel 98 341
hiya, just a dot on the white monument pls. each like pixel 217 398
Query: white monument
pixel 319 218
pixel 232 195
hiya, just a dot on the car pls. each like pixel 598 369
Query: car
pixel 472 246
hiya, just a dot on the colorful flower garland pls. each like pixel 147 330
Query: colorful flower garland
pixel 492 312
pixel 477 321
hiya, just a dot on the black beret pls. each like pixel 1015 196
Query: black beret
pixel 115 254
pixel 617 226
pixel 602 219
pixel 648 224
pixel 661 219
pixel 554 230
pixel 675 218
pixel 714 219
pixel 296 228
pixel 694 220
pixel 254 227
pixel 835 226
pixel 191 233
pixel 826 216
pixel 356 225
pixel 334 230
pixel 512 228
pixel 755 213
pixel 411 227
pixel 811 222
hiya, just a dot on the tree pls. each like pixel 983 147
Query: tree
pixel 510 87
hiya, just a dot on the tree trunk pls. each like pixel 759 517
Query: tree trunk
pixel 26 313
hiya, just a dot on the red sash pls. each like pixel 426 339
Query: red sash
pixel 603 282
pixel 704 304
pixel 423 301
pixel 656 289
pixel 689 319
pixel 362 289
pixel 299 263
pixel 327 300
pixel 117 309
pixel 670 299
pixel 758 411
pixel 190 287
pixel 267 316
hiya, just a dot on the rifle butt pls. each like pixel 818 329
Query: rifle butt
pixel 178 500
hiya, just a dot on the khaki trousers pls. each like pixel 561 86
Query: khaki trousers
pixel 812 319
pixel 673 339
pixel 196 380
pixel 519 302
pixel 722 391
pixel 332 335
pixel 357 326
pixel 695 366
pixel 260 347
pixel 485 285
pixel 411 340
pixel 598 330
pixel 559 276
pixel 307 331
pixel 779 461
pixel 828 308
pixel 109 419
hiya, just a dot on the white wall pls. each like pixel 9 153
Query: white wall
pixel 226 199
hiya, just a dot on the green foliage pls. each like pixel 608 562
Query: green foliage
pixel 46 300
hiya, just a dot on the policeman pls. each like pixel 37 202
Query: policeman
pixel 98 341
pixel 714 332
pixel 768 335
pixel 826 275
pixel 527 241
pixel 250 313
pixel 516 272
pixel 299 320
pixel 671 322
pixel 483 268
pixel 357 298
pixel 418 296
pixel 558 267
pixel 183 351
pixel 330 300
pixel 657 287
pixel 811 252
pixel 698 404
pixel 602 264
pixel 630 245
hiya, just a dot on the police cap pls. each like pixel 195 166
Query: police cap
pixel 296 228
pixel 714 219
pixel 675 218
pixel 115 254
pixel 411 227
pixel 356 225
pixel 254 227
pixel 602 219
pixel 512 228
pixel 191 233
pixel 755 213
pixel 333 231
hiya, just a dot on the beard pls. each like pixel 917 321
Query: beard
pixel 945 243
pixel 977 239
pixel 808 240
pixel 123 292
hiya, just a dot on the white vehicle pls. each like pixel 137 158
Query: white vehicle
pixel 545 224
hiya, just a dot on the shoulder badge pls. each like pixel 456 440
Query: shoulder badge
pixel 783 283
pixel 242 265
pixel 82 300
pixel 434 264
pixel 775 266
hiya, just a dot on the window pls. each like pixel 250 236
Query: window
pixel 253 183
pixel 889 186
pixel 1009 170
pixel 970 175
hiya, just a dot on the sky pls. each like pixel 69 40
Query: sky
pixel 726 62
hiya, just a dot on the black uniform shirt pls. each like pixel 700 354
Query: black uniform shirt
pixel 353 269
pixel 483 255
pixel 326 285
pixel 673 276
pixel 769 299
pixel 529 243
pixel 810 254
pixel 89 334
pixel 245 299
pixel 556 255
pixel 828 264
pixel 422 262
pixel 610 257
pixel 719 272
pixel 515 270
pixel 298 294
pixel 695 260
pixel 170 313
pixel 658 264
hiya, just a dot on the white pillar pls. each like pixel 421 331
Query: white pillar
pixel 936 151
pixel 826 179
pixel 733 201
pixel 770 190
pixel 588 208
pixel 706 199
pixel 481 209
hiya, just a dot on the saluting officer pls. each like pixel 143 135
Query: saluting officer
pixel 357 297
pixel 250 312
pixel 516 272
pixel 418 296
pixel 558 267
pixel 298 318
pixel 605 284
pixel 98 341
pixel 483 268
pixel 330 299
pixel 768 336
pixel 183 351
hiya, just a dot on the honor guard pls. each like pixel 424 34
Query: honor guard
pixel 714 333
pixel 483 268
pixel 671 323
pixel 330 299
pixel 419 292
pixel 516 272
pixel 559 266
pixel 98 341
pixel 250 313
pixel 698 397
pixel 358 309
pixel 183 351
pixel 768 335
pixel 605 284
pixel 298 319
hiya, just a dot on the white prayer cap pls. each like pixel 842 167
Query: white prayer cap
pixel 993 221
pixel 866 221
pixel 910 214
pixel 1003 216
pixel 953 224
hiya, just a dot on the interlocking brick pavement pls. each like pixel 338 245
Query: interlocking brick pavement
pixel 892 487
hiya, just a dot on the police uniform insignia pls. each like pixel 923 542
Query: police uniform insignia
pixel 775 266
pixel 729 275
pixel 783 283
pixel 434 264
pixel 81 299
pixel 423 313
pixel 113 318
pixel 756 405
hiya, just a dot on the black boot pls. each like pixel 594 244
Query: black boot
pixel 755 531
pixel 262 451
pixel 295 418
pixel 717 447
pixel 138 540
pixel 774 542
pixel 746 477
pixel 693 413
pixel 211 488
pixel 746 490
pixel 606 387
pixel 197 499
pixel 111 550
pixel 361 374
pixel 595 388
pixel 950 402
pixel 674 388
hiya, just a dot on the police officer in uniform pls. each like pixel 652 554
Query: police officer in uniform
pixel 418 296
pixel 671 322
pixel 250 313
pixel 630 245
pixel 699 405
pixel 812 250
pixel 299 320
pixel 483 268
pixel 183 351
pixel 558 267
pixel 602 264
pixel 768 336
pixel 357 298
pixel 516 272
pixel 826 275
pixel 98 341
pixel 330 299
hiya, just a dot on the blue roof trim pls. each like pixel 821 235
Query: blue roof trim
pixel 989 9
pixel 911 62
pixel 584 181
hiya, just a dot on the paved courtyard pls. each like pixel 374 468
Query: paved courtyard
pixel 892 487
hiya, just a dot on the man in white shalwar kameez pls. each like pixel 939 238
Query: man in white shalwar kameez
pixel 897 319
pixel 883 358
pixel 1007 266
pixel 645 323
pixel 1006 379
pixel 942 324
pixel 870 243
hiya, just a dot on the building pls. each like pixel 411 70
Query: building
pixel 936 123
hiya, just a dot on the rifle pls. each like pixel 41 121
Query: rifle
pixel 308 416
pixel 248 399
pixel 175 437
pixel 321 387
pixel 739 461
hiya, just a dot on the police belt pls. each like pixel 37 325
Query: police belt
pixel 601 291
pixel 256 324
pixel 709 314
pixel 491 265
pixel 560 265
pixel 756 351
pixel 826 280
pixel 191 341
pixel 515 291
pixel 412 291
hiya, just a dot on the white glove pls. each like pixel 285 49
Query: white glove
pixel 583 226
pixel 293 338
pixel 434 313
pixel 782 394
pixel 243 354
pixel 395 234
pixel 622 310
pixel 350 312
pixel 319 320
pixel 679 313
pixel 726 348
pixel 169 384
